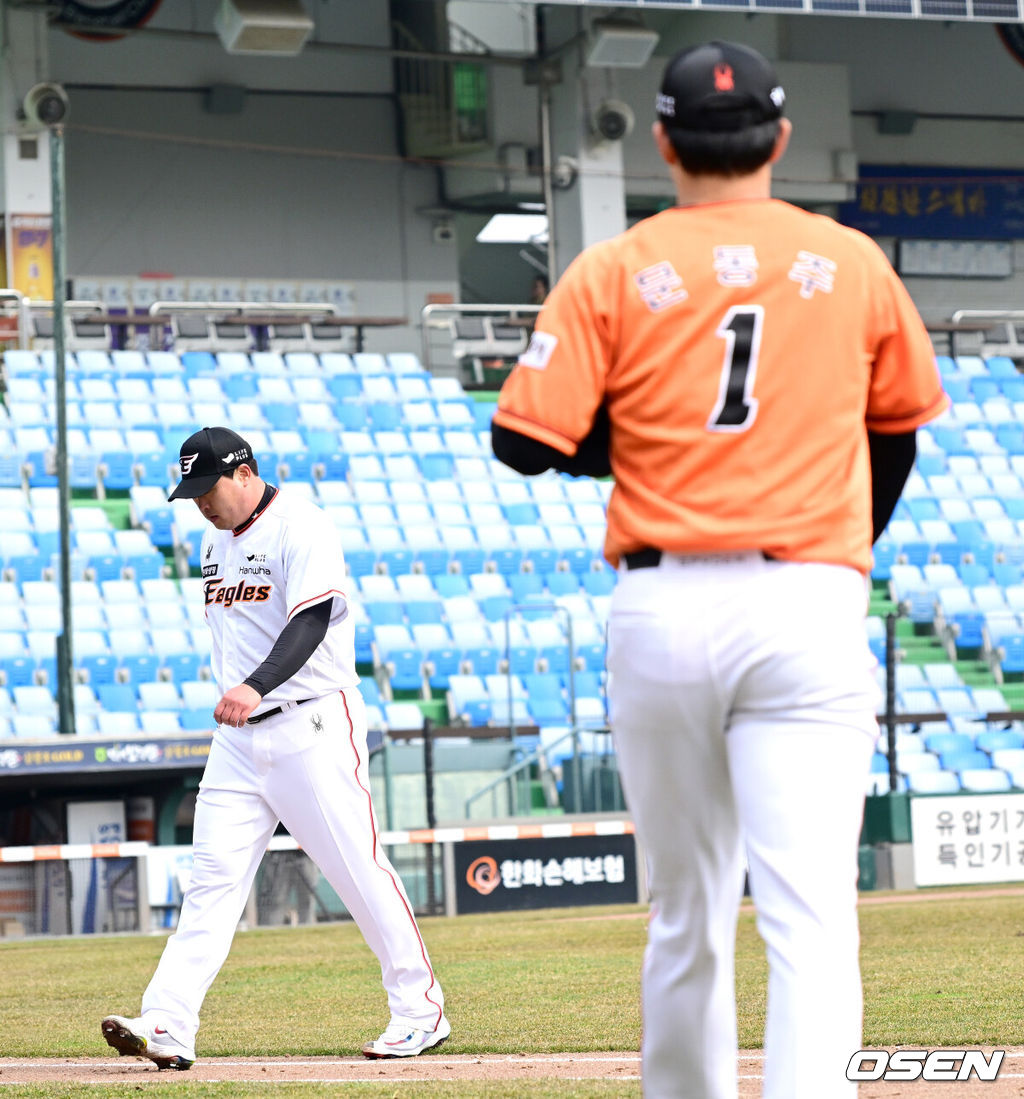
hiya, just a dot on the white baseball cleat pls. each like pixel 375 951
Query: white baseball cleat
pixel 136 1038
pixel 402 1040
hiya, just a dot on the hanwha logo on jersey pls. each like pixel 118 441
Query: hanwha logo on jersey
pixel 187 462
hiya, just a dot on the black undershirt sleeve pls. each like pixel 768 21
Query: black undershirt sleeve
pixel 296 644
pixel 529 457
pixel 892 459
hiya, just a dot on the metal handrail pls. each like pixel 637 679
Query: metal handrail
pixel 520 767
pixel 456 310
pixel 987 314
pixel 244 308
pixel 507 776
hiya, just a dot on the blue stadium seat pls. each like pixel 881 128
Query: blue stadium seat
pixel 562 582
pixel 384 612
pixel 984 780
pixel 360 562
pixel 196 720
pixel 968 633
pixel 17 671
pixel 525 584
pixel 439 665
pixel 107 566
pixel 482 659
pixel 591 655
pixel 453 583
pixel 494 607
pixel 424 610
pixel 436 467
pixel 295 465
pixel 100 668
pixel 599 581
pixel 397 560
pixel 973 760
pixel 469 559
pixel 522 660
pixel 993 740
pixel 364 643
pixel 144 566
pixel 183 665
pixel 431 561
pixel 151 467
pixel 507 560
pixel 117 697
pixel 587 683
pixel 1012 660
pixel 948 743
pixel 555 658
pixel 405 669
pixel 933 782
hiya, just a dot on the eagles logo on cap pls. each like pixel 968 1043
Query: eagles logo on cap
pixel 205 457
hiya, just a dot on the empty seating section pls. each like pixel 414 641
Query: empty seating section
pixel 459 567
pixel 477 594
pixel 951 558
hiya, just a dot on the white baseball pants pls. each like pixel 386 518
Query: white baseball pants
pixel 742 701
pixel 312 776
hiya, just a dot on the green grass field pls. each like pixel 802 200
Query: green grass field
pixel 940 970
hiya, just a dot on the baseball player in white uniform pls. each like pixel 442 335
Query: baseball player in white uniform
pixel 290 746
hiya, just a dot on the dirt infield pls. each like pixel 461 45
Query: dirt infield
pixel 576 1066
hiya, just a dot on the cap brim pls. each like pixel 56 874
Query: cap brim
pixel 192 487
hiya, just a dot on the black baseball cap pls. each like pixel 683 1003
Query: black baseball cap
pixel 719 87
pixel 205 457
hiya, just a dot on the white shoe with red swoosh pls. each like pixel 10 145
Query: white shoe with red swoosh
pixel 402 1040
pixel 137 1038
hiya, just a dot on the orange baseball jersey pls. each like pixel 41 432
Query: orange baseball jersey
pixel 743 349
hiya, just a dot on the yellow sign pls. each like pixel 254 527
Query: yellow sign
pixel 30 262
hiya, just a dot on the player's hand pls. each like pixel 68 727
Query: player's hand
pixel 237 705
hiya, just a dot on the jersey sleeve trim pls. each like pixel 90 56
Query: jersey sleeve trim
pixel 331 593
pixel 533 430
pixel 896 425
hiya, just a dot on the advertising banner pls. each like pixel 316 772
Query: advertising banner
pixel 959 840
pixel 30 263
pixel 494 876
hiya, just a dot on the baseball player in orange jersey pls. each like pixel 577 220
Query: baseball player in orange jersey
pixel 290 746
pixel 752 375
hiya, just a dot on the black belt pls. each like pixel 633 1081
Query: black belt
pixel 643 559
pixel 650 558
pixel 274 712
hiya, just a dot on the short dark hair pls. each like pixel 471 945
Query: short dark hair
pixel 251 463
pixel 724 153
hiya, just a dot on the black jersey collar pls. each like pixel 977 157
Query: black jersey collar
pixel 269 492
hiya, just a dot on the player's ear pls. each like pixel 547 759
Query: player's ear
pixel 782 141
pixel 664 146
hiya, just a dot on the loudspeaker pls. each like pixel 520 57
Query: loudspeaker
pixel 45 105
pixel 613 120
pixel 263 26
